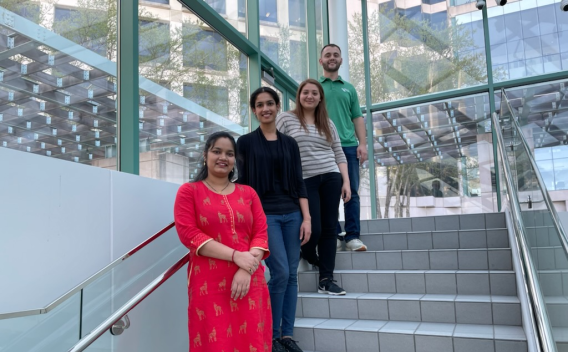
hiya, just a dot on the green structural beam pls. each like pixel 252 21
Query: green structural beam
pixel 255 63
pixel 368 112
pixel 127 92
pixel 202 10
pixel 312 43
pixel 491 103
pixel 325 21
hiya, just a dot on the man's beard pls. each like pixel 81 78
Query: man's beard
pixel 326 68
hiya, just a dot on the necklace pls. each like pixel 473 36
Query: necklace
pixel 213 189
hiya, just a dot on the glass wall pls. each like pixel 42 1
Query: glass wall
pixel 283 35
pixel 528 38
pixel 234 11
pixel 417 48
pixel 58 84
pixel 58 79
pixel 356 54
pixel 434 158
pixel 192 83
pixel 543 116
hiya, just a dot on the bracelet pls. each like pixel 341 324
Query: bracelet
pixel 233 256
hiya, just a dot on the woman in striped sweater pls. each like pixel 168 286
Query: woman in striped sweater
pixel 324 169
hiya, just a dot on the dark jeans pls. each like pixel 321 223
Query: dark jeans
pixel 352 208
pixel 284 244
pixel 324 192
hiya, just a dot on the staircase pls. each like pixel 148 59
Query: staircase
pixel 430 284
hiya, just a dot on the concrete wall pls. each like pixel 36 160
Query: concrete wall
pixel 61 222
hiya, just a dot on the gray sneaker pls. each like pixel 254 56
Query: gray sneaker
pixel 356 245
pixel 340 245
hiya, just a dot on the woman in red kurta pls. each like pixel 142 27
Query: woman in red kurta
pixel 224 227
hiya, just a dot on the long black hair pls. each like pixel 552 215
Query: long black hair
pixel 203 173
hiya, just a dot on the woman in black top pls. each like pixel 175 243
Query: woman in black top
pixel 269 162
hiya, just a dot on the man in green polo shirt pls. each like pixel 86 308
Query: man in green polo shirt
pixel 343 107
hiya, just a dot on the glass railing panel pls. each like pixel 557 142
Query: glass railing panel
pixel 158 323
pixel 544 232
pixel 78 312
pixel 432 158
pixel 55 331
pixel 112 290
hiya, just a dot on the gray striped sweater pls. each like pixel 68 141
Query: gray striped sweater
pixel 318 155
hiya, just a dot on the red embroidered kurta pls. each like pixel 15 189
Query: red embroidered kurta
pixel 216 322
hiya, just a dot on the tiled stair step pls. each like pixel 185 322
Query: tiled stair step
pixel 553 282
pixel 461 282
pixel 561 338
pixel 550 257
pixel 557 308
pixel 435 223
pixel 498 310
pixel 443 239
pixel 430 259
pixel 345 335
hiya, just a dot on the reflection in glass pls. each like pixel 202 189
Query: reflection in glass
pixel 532 30
pixel 58 80
pixel 415 52
pixel 434 158
pixel 283 35
pixel 234 11
pixel 543 237
pixel 544 121
pixel 193 83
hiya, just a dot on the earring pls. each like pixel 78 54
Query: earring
pixel 204 162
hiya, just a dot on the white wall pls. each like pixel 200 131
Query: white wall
pixel 60 222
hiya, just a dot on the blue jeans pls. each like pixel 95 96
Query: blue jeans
pixel 352 208
pixel 284 244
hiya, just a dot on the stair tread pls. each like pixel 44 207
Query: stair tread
pixel 434 250
pixel 501 332
pixel 422 297
pixel 433 231
pixel 413 271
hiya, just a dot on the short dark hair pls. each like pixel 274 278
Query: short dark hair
pixel 203 173
pixel 260 90
pixel 330 45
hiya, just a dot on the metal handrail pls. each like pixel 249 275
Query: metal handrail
pixel 542 185
pixel 128 306
pixel 86 282
pixel 540 316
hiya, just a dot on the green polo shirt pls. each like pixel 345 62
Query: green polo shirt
pixel 342 106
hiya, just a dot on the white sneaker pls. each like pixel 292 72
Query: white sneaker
pixel 356 245
pixel 340 245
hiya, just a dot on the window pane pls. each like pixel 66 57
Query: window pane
pixel 355 43
pixel 533 31
pixel 416 50
pixel 218 5
pixel 436 155
pixel 282 32
pixel 204 49
pixel 201 88
pixel 58 95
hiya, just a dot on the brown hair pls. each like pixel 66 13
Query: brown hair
pixel 321 116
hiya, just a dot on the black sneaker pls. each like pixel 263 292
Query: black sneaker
pixel 277 346
pixel 290 345
pixel 328 286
